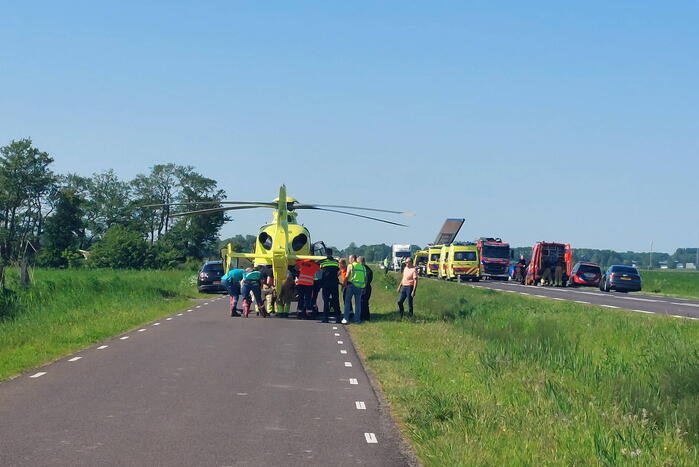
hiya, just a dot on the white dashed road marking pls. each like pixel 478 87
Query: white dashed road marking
pixel 644 311
pixel 36 375
pixel 348 364
pixel 360 405
pixel 198 306
pixel 541 296
pixel 340 342
pixel 189 311
pixel 337 334
pixel 179 314
pixel 343 352
pixel 353 381
pixel 370 438
pixel 74 359
pixel 580 301
pixel 609 306
pixel 102 347
pixel 557 298
pixel 168 319
pixel 241 394
pixel 156 324
pixel 685 304
pixel 334 328
pixel 142 329
pixel 124 338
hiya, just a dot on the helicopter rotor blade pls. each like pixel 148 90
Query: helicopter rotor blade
pixel 243 203
pixel 353 214
pixel 312 206
pixel 213 210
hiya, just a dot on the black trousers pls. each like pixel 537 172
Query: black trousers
pixel 331 298
pixel 366 314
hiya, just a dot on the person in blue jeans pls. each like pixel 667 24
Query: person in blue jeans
pixel 231 281
pixel 356 282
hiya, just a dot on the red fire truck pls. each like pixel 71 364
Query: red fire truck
pixel 495 258
pixel 545 254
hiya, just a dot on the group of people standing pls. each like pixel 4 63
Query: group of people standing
pixel 306 280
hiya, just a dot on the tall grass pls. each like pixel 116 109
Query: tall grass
pixel 674 283
pixel 484 377
pixel 65 310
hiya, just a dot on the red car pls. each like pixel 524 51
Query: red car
pixel 585 274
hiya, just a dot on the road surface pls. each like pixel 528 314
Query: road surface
pixel 638 302
pixel 201 388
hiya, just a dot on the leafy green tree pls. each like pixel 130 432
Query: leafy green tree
pixel 107 204
pixel 62 232
pixel 120 248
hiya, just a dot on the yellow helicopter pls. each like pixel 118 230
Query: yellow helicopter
pixel 282 242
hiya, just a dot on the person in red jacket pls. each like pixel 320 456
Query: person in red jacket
pixel 304 285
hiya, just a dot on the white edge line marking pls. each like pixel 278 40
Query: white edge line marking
pixel 609 306
pixel 123 338
pixel 558 298
pixel 102 347
pixel 74 359
pixel 678 316
pixel 353 381
pixel 644 311
pixel 685 304
pixel 340 342
pixel 156 324
pixel 168 319
pixel 36 375
pixel 541 296
pixel 370 438
pixel 360 405
pixel 343 352
pixel 179 314
pixel 580 301
pixel 348 364
pixel 142 329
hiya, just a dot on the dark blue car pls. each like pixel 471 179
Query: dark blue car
pixel 209 277
pixel 620 278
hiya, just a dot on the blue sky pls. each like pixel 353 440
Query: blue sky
pixel 537 121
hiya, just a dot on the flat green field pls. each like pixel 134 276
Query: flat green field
pixel 481 377
pixel 674 283
pixel 66 310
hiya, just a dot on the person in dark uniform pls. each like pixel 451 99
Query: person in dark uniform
pixel 330 284
pixel 366 314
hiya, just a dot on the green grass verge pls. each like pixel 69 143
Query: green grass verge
pixel 673 283
pixel 487 378
pixel 66 310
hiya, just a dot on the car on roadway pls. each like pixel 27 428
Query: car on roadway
pixel 583 273
pixel 209 277
pixel 620 278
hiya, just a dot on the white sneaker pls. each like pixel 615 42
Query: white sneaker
pixel 344 321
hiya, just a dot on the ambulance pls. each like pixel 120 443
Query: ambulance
pixel 463 262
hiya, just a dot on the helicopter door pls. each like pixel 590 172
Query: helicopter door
pixel 318 249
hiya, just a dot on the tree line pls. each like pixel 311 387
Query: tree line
pixel 70 220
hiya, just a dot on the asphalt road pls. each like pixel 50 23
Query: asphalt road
pixel 638 302
pixel 200 388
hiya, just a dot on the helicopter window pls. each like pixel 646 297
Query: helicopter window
pixel 265 240
pixel 299 241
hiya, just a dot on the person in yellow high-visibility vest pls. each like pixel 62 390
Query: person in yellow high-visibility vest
pixel 356 282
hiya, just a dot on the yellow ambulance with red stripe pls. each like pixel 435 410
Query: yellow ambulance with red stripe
pixel 462 262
